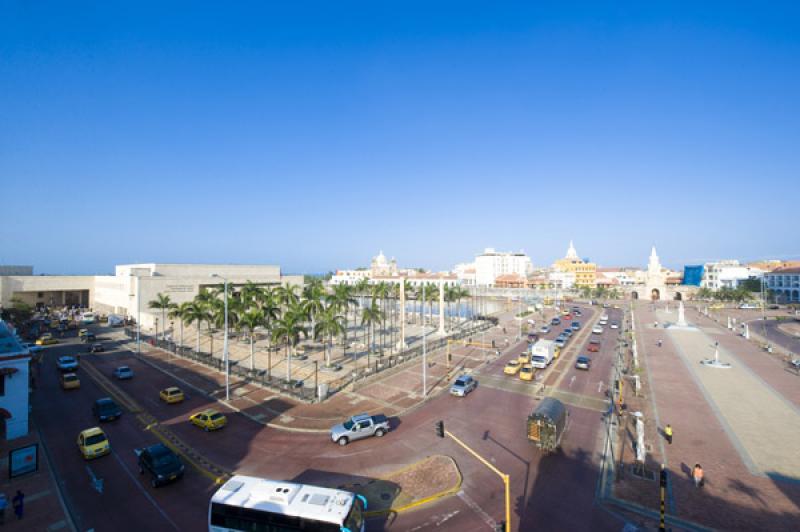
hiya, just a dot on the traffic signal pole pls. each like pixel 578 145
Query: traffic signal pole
pixel 502 475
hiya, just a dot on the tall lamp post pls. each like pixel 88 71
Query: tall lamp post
pixel 225 342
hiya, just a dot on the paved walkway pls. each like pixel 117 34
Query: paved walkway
pixel 702 405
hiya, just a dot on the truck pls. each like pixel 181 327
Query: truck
pixel 542 353
pixel 547 424
pixel 358 427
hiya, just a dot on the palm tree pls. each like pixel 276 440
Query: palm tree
pixel 289 329
pixel 288 294
pixel 180 312
pixel 194 313
pixel 381 291
pixel 162 303
pixel 312 303
pixel 254 317
pixel 343 299
pixel 369 317
pixel 331 324
pixel 432 294
pixel 250 293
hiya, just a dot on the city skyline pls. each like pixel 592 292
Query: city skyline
pixel 267 134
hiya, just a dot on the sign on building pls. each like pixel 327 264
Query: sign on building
pixel 23 460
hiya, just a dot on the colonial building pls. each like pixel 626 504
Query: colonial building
pixel 585 272
pixel 14 384
pixel 727 274
pixel 785 284
pixel 492 264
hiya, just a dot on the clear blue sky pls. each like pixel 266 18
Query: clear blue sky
pixel 312 136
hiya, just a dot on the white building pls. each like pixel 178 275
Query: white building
pixel 349 277
pixel 492 264
pixel 562 280
pixel 132 286
pixel 727 274
pixel 14 384
pixel 465 272
pixel 785 283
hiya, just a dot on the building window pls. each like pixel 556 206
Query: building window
pixel 39 295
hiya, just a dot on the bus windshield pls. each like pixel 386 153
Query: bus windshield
pixel 355 519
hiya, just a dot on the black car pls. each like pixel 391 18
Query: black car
pixel 96 348
pixel 161 462
pixel 105 409
pixel 89 338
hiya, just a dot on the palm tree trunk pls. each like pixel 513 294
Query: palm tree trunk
pixel 328 349
pixel 181 334
pixel 163 324
pixel 198 338
pixel 252 352
pixel 288 364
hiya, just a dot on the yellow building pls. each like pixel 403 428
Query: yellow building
pixel 585 272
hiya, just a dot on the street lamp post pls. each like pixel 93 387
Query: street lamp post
pixel 424 353
pixel 138 315
pixel 225 341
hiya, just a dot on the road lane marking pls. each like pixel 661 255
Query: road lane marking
pixel 477 509
pixel 144 491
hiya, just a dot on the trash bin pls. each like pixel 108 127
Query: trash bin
pixel 322 391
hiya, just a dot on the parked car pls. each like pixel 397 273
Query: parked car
pixel 544 329
pixel 105 409
pixel 161 462
pixel 93 443
pixel 577 313
pixel 359 427
pixel 171 395
pixel 33 348
pixel 555 321
pixel 575 325
pixel 583 362
pixel 209 419
pixel 123 373
pixel 463 385
pixel 512 367
pixel 70 381
pixel 614 325
pixel 560 341
pixel 567 316
pixel 597 330
pixel 88 338
pixel 96 348
pixel 568 331
pixel 748 306
pixel 67 363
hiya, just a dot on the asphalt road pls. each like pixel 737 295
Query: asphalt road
pixel 553 492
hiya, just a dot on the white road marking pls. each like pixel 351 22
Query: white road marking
pixel 144 491
pixel 477 509
pixel 571 381
pixel 599 386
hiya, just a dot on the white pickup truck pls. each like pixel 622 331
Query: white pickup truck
pixel 358 427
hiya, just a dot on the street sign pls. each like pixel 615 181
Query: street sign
pixel 23 460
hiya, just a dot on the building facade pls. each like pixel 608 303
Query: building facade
pixel 785 284
pixel 728 274
pixel 492 264
pixel 14 384
pixel 585 272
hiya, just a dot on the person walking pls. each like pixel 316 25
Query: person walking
pixel 19 503
pixel 697 475
pixel 668 433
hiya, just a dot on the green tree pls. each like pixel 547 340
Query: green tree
pixel 180 312
pixel 331 325
pixel 313 305
pixel 194 314
pixel 163 303
pixel 342 297
pixel 252 318
pixel 289 329
pixel 369 317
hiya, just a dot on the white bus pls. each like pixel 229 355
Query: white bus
pixel 254 504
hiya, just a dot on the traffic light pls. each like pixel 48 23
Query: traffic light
pixel 440 429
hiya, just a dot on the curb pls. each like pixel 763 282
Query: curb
pixel 415 504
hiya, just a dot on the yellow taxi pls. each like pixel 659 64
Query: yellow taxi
pixel 526 372
pixel 46 339
pixel 54 324
pixel 82 333
pixel 209 420
pixel 556 352
pixel 512 367
pixel 93 443
pixel 173 394
pixel 524 358
pixel 565 312
pixel 70 381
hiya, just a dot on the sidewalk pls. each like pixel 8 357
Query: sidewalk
pixel 43 508
pixel 733 498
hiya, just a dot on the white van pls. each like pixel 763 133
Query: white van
pixel 542 353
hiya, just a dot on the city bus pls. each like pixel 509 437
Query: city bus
pixel 255 504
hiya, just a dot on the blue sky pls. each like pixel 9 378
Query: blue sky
pixel 312 135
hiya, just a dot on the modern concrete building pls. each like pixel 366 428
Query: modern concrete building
pixel 492 264
pixel 727 274
pixel 14 385
pixel 785 284
pixel 132 286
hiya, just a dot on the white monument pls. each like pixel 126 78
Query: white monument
pixel 655 278
pixel 681 316
pixel 714 362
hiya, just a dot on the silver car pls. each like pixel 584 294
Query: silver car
pixel 123 373
pixel 463 385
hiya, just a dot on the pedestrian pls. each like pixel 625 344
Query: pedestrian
pixel 697 475
pixel 668 433
pixel 3 505
pixel 659 343
pixel 19 503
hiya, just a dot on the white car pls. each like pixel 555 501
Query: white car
pixel 597 330
pixel 748 306
pixel 123 373
pixel 614 325
pixel 604 317
pixel 544 329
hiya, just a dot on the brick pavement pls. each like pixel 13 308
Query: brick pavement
pixel 733 498
pixel 44 509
